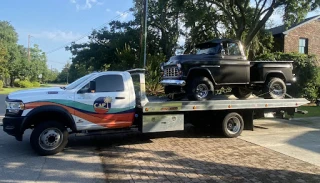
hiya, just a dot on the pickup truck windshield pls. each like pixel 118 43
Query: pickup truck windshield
pixel 78 81
pixel 210 49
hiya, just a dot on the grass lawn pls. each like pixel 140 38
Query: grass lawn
pixel 6 91
pixel 313 111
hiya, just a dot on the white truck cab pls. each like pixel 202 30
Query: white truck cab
pixel 104 101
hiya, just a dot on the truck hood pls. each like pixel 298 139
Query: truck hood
pixel 191 58
pixel 30 93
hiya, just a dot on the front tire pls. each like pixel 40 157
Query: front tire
pixel 276 89
pixel 232 125
pixel 200 89
pixel 49 138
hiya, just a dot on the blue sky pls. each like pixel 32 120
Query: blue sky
pixel 55 23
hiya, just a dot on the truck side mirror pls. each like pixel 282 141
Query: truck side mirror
pixel 223 52
pixel 92 87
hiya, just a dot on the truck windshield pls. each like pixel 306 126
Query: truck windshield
pixel 210 49
pixel 77 82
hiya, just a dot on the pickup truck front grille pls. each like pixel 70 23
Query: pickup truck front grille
pixel 171 72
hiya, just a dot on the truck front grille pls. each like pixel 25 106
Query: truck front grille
pixel 171 72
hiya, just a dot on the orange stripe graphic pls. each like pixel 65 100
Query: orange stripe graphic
pixel 105 120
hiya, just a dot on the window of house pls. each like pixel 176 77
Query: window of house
pixel 109 83
pixel 303 45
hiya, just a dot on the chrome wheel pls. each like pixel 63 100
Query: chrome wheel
pixel 277 89
pixel 50 139
pixel 233 125
pixel 202 91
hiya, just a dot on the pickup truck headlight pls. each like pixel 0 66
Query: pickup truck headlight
pixel 179 66
pixel 14 107
pixel 161 67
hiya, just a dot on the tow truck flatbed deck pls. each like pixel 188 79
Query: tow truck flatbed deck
pixel 159 105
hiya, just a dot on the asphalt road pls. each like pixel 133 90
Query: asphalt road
pixel 2 105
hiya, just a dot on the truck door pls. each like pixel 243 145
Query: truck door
pixel 234 68
pixel 106 107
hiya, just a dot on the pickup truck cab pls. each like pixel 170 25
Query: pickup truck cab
pixel 222 63
pixel 116 101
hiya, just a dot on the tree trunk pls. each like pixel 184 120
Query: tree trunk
pixel 11 81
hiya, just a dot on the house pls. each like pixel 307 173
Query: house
pixel 303 37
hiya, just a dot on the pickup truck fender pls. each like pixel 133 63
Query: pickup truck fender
pixel 274 73
pixel 201 72
pixel 49 112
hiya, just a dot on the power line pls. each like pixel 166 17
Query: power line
pixel 85 35
pixel 56 62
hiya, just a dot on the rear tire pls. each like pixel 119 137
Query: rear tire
pixel 276 89
pixel 49 138
pixel 232 125
pixel 200 89
pixel 241 93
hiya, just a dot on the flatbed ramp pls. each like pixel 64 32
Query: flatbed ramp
pixel 165 106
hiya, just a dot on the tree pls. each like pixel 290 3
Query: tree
pixel 38 64
pixel 63 77
pixel 244 20
pixel 164 17
pixel 9 48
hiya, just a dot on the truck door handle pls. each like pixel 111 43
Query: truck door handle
pixel 120 97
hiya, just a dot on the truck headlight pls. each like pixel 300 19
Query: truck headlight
pixel 161 66
pixel 179 66
pixel 14 107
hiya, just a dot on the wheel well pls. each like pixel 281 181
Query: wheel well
pixel 59 116
pixel 200 72
pixel 275 75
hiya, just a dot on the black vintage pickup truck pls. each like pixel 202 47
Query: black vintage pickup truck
pixel 222 63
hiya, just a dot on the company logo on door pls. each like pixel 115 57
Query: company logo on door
pixel 102 104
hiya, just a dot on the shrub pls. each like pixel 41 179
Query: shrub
pixel 16 83
pixel 35 84
pixel 1 84
pixel 24 84
pixel 153 75
pixel 306 70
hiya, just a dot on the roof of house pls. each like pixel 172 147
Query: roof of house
pixel 282 29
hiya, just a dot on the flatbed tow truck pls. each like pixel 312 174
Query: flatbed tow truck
pixel 114 101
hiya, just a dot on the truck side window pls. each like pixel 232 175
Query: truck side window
pixel 109 83
pixel 233 49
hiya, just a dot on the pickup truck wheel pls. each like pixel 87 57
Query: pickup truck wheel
pixel 201 88
pixel 48 138
pixel 276 88
pixel 241 93
pixel 232 125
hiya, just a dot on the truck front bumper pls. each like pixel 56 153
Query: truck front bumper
pixel 12 126
pixel 173 82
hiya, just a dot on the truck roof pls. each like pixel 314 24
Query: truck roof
pixel 217 41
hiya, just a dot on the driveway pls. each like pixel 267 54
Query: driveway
pixel 190 156
pixel 18 163
pixel 298 138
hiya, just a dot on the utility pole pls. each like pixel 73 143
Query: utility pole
pixel 29 47
pixel 145 33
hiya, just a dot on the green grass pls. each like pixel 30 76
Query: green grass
pixel 313 111
pixel 6 91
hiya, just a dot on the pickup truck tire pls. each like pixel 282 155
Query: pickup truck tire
pixel 276 89
pixel 200 89
pixel 232 125
pixel 241 93
pixel 49 138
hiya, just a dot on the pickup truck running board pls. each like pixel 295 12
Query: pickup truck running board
pixel 177 106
